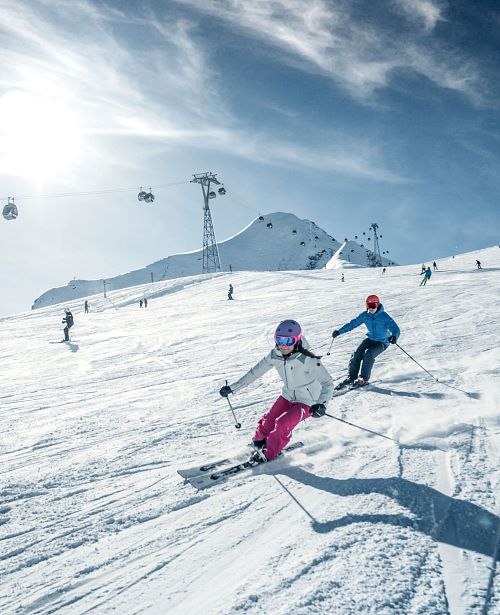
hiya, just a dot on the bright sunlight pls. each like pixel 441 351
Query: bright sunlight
pixel 39 136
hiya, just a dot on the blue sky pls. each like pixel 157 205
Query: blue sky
pixel 344 112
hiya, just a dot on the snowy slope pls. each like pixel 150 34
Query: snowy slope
pixel 351 254
pixel 95 519
pixel 274 242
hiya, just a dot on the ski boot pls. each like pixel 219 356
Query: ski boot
pixel 359 382
pixel 258 456
pixel 258 444
pixel 344 383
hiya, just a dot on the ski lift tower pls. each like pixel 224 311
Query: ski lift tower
pixel 376 248
pixel 211 260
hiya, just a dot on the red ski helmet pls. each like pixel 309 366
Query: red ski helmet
pixel 288 333
pixel 372 300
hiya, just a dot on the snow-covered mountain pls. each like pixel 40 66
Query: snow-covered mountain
pixel 274 242
pixel 95 519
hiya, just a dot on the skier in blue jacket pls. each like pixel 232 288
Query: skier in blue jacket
pixel 427 276
pixel 382 331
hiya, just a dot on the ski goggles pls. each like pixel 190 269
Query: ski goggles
pixel 285 341
pixel 372 306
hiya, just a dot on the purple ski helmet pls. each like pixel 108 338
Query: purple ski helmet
pixel 287 333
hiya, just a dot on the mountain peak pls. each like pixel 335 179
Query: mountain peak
pixel 277 241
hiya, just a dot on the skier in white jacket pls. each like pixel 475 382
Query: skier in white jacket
pixel 307 387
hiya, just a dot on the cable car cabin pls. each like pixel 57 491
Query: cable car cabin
pixel 294 232
pixel 302 243
pixel 10 211
pixel 149 198
pixel 221 190
pixel 261 218
pixel 316 237
pixel 142 195
pixel 211 194
pixel 269 225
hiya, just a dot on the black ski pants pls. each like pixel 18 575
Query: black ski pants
pixel 66 333
pixel 364 356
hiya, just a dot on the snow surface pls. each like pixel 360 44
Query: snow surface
pixel 274 242
pixel 95 519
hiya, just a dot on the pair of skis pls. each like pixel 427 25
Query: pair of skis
pixel 215 472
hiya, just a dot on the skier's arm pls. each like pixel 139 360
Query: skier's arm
pixel 325 381
pixel 258 370
pixel 355 322
pixel 391 325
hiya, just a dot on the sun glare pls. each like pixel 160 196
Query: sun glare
pixel 39 136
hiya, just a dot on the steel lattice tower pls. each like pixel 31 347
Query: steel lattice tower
pixel 211 260
pixel 377 258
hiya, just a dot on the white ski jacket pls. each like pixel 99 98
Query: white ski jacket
pixel 305 379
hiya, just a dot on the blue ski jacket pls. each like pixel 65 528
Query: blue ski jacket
pixel 380 325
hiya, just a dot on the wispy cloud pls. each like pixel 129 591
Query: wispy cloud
pixel 145 77
pixel 329 38
pixel 426 12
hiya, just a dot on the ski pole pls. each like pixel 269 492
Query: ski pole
pixel 329 349
pixel 376 433
pixel 236 424
pixel 433 377
pixel 409 355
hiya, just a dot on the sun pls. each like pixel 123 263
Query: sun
pixel 39 135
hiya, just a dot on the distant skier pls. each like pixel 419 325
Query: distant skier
pixel 382 331
pixel 231 268
pixel 68 319
pixel 86 306
pixel 478 264
pixel 434 266
pixel 140 303
pixel 307 387
pixel 427 276
pixel 342 278
pixel 230 292
pixel 145 302
pixel 384 270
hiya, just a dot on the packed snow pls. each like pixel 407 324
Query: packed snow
pixel 94 517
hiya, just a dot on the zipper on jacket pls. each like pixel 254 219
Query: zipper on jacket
pixel 310 394
pixel 286 377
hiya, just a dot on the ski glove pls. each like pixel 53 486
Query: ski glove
pixel 335 334
pixel 318 410
pixel 393 339
pixel 225 390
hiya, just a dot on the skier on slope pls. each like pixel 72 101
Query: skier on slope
pixel 382 330
pixel 307 387
pixel 427 276
pixel 68 320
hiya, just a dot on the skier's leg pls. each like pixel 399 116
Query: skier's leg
pixel 373 351
pixel 284 425
pixel 356 358
pixel 267 420
pixel 66 334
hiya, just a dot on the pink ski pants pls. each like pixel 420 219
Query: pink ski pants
pixel 276 425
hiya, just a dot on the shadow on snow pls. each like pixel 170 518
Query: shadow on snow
pixel 445 519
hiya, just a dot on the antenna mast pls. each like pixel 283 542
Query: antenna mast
pixel 211 260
